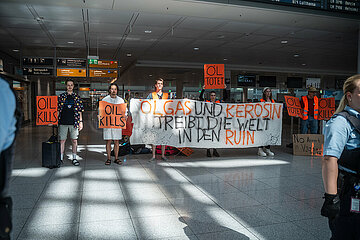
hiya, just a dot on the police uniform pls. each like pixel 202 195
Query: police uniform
pixel 9 124
pixel 342 141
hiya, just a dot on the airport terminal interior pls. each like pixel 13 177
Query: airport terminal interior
pixel 286 46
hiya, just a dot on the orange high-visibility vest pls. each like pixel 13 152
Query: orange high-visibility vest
pixel 306 107
pixel 262 100
pixel 215 101
pixel 164 96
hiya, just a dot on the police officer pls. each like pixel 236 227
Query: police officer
pixel 342 159
pixel 9 123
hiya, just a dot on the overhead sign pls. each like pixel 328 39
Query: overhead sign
pixel 214 76
pixel 308 144
pixel 93 63
pixel 38 61
pixel 103 73
pixel 190 123
pixel 112 115
pixel 38 71
pixel 46 110
pixel 69 62
pixel 70 72
pixel 313 82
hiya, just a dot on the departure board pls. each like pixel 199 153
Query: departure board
pixel 342 6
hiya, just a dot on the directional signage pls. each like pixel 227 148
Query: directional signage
pixel 103 73
pixel 93 63
pixel 70 62
pixel 38 71
pixel 71 72
pixel 38 61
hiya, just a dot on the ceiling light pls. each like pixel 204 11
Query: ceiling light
pixel 70 42
pixel 225 59
pixel 120 66
pixel 196 48
pixel 147 31
pixel 15 50
pixel 284 42
pixel 296 55
pixel 220 36
pixel 150 75
pixel 104 44
pixel 128 54
pixel 304 64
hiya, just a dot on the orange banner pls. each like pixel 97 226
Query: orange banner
pixel 293 106
pixel 46 110
pixel 326 108
pixel 70 72
pixel 214 76
pixel 112 115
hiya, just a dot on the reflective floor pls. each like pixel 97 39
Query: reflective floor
pixel 236 196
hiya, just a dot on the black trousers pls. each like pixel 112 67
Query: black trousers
pixel 346 226
pixel 6 159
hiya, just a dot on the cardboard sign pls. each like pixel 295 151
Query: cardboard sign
pixel 112 115
pixel 293 106
pixel 46 110
pixel 326 108
pixel 214 76
pixel 308 144
pixel 189 123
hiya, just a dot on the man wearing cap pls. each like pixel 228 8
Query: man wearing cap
pixel 310 107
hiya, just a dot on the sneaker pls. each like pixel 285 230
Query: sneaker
pixel 152 159
pixel 215 153
pixel 269 152
pixel 208 153
pixel 261 152
pixel 75 162
pixel 164 159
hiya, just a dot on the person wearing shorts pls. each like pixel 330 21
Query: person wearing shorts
pixel 70 108
pixel 113 134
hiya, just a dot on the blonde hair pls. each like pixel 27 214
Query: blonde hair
pixel 349 86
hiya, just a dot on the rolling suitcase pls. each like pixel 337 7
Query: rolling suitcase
pixel 51 152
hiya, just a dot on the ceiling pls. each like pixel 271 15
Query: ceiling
pixel 242 37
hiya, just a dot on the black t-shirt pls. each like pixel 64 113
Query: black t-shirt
pixel 67 114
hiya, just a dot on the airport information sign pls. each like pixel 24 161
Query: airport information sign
pixel 38 61
pixel 343 6
pixel 38 71
pixel 93 63
pixel 70 72
pixel 103 73
pixel 70 62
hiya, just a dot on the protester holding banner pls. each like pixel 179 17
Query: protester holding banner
pixel 342 155
pixel 113 134
pixel 70 108
pixel 310 107
pixel 266 97
pixel 213 100
pixel 158 94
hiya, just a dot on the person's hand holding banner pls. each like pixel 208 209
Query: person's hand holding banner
pixel 46 113
pixel 112 115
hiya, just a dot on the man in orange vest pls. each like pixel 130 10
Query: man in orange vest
pixel 310 106
pixel 158 94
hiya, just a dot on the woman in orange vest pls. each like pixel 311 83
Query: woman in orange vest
pixel 158 94
pixel 266 97
pixel 310 106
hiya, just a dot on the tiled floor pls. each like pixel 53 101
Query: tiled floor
pixel 236 196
